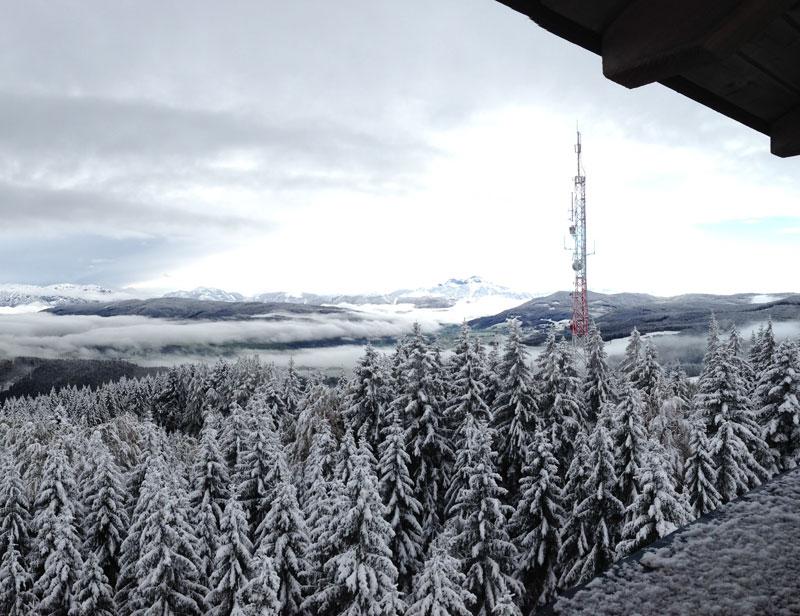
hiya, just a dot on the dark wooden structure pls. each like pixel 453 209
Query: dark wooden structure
pixel 738 57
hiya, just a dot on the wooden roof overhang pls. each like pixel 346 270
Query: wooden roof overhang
pixel 738 57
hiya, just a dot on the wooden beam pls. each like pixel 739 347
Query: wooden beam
pixel 653 40
pixel 785 135
pixel 699 94
pixel 555 22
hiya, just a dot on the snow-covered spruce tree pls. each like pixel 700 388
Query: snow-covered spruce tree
pixel 722 404
pixel 15 522
pixel 53 588
pixel 536 523
pixel 633 354
pixel 755 337
pixel 55 497
pixel 506 606
pixel 561 402
pixel 209 484
pixel 346 457
pixel 763 350
pixel 670 425
pixel 221 382
pixel 320 496
pixel 712 347
pixel 260 596
pixel 196 409
pixel 92 594
pixel 459 477
pixel 127 580
pixel 647 376
pixel 630 442
pixel 168 578
pixel 261 465
pixel 515 409
pixel 493 379
pixel 600 512
pixel 269 392
pixel 461 347
pixel 658 509
pixel 104 508
pixel 482 543
pixel 369 397
pixel 16 596
pixel 777 400
pixel 292 389
pixel 403 510
pixel 232 562
pixel 319 464
pixel 740 360
pixel 677 385
pixel 171 400
pixel 420 404
pixel 327 500
pixel 31 454
pixel 249 377
pixel 573 535
pixel 598 384
pixel 737 469
pixel 232 436
pixel 439 588
pixel 360 578
pixel 325 514
pixel 150 446
pixel 700 475
pixel 286 543
pixel 397 365
pixel 320 404
pixel 467 391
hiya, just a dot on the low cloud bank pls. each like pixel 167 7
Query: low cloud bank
pixel 315 341
pixel 160 341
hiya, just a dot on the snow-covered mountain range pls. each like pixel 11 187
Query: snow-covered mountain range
pixel 452 300
pixel 29 297
pixel 444 295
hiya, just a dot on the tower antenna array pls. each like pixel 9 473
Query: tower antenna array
pixel 580 305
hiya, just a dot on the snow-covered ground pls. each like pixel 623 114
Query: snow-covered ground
pixel 765 299
pixel 743 559
pixel 23 308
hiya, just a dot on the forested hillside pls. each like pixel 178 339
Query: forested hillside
pixel 31 376
pixel 476 485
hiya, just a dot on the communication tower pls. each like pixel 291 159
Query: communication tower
pixel 577 229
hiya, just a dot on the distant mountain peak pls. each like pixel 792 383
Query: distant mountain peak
pixel 463 281
pixel 468 289
pixel 210 294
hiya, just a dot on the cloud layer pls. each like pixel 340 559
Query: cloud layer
pixel 320 341
pixel 160 341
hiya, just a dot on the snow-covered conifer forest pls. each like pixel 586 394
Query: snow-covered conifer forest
pixel 480 484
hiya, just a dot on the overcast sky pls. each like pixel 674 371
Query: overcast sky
pixel 361 146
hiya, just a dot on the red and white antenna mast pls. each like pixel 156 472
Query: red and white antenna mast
pixel 577 229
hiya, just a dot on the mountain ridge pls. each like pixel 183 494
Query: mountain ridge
pixel 13 295
pixel 616 314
